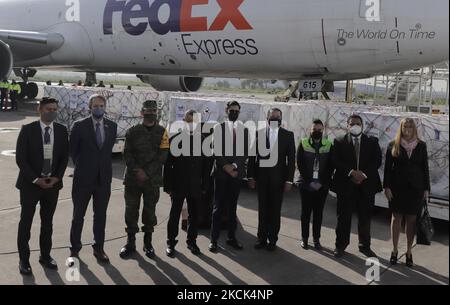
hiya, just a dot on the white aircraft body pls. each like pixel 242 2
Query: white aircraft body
pixel 174 44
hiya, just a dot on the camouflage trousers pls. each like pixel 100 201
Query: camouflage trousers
pixel 133 196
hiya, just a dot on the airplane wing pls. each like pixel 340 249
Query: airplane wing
pixel 29 45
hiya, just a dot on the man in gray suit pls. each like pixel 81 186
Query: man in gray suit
pixel 91 143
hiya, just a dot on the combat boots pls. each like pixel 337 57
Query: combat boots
pixel 129 248
pixel 148 248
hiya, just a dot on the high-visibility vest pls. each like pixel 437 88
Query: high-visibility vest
pixel 16 88
pixel 4 85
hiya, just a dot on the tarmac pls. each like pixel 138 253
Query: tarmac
pixel 288 265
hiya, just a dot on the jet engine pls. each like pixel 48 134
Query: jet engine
pixel 6 60
pixel 172 83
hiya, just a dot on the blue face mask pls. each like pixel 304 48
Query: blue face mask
pixel 98 113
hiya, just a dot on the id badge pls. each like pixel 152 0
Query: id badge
pixel 316 175
pixel 48 151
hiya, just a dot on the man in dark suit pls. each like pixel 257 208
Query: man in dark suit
pixel 273 179
pixel 230 153
pixel 42 155
pixel 356 158
pixel 91 143
pixel 186 174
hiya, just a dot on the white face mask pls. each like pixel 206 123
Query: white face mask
pixel 355 130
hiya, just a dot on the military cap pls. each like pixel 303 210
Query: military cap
pixel 48 100
pixel 150 104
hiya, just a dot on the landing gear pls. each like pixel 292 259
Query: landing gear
pixel 91 79
pixel 29 89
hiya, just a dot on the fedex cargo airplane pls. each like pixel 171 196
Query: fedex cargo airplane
pixel 174 44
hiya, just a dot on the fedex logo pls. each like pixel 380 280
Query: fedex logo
pixel 180 18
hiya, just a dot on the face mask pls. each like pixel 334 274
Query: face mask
pixel 276 120
pixel 98 113
pixel 151 117
pixel 233 115
pixel 316 135
pixel 355 130
pixel 48 117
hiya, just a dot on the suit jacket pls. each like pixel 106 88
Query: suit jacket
pixel 93 165
pixel 222 133
pixel 30 154
pixel 284 169
pixel 186 175
pixel 403 173
pixel 344 160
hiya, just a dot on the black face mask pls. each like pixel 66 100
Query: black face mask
pixel 316 135
pixel 277 120
pixel 152 117
pixel 233 115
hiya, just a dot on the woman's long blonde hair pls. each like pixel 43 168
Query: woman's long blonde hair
pixel 399 135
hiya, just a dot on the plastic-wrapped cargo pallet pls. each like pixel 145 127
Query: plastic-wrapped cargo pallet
pixel 381 122
pixel 123 106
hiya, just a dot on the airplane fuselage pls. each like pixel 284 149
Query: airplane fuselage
pixel 283 39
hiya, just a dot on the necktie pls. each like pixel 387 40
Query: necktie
pixel 47 167
pixel 357 147
pixel 98 135
pixel 47 135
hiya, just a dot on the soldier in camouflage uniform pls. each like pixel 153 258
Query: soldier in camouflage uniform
pixel 146 150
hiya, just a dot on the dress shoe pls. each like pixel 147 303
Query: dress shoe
pixel 317 245
pixel 394 258
pixel 48 262
pixel 148 247
pixel 409 261
pixel 170 251
pixel 367 252
pixel 233 242
pixel 213 247
pixel 149 251
pixel 192 245
pixel 127 251
pixel 338 253
pixel 25 268
pixel 101 256
pixel 304 244
pixel 271 247
pixel 260 244
pixel 129 248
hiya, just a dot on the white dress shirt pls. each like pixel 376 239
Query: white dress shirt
pixel 358 153
pixel 273 136
pixel 52 139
